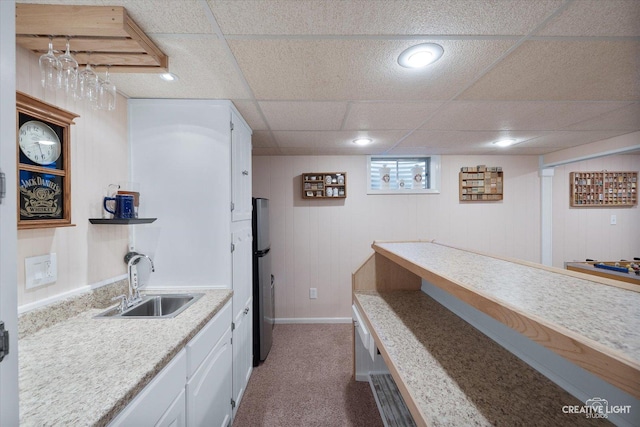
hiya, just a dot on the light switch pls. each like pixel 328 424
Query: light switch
pixel 614 220
pixel 40 270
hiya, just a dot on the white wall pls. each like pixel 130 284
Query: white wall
pixel 319 243
pixel 86 253
pixel 580 233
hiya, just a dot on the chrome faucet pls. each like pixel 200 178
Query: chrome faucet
pixel 134 293
pixel 133 258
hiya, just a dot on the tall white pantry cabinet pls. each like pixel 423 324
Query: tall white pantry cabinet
pixel 191 162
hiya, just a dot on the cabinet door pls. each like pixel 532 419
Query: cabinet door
pixel 242 353
pixel 176 415
pixel 209 389
pixel 240 170
pixel 242 268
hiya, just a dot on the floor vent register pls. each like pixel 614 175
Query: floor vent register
pixel 390 403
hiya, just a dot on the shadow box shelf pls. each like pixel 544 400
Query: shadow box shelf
pixel 481 183
pixel 603 189
pixel 324 185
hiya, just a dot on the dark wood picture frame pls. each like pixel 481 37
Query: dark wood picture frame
pixel 44 191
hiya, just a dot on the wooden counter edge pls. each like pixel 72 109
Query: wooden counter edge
pixel 604 362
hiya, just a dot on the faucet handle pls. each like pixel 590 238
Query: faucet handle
pixel 123 302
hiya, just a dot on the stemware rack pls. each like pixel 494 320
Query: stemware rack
pixel 106 34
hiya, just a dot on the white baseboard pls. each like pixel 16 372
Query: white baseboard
pixel 288 320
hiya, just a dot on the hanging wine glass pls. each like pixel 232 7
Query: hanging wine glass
pixel 88 84
pixel 68 72
pixel 50 68
pixel 107 94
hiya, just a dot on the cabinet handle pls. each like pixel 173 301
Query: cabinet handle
pixel 246 310
pixel 245 172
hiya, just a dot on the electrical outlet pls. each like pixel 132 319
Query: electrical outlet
pixel 614 220
pixel 40 270
pixel 313 293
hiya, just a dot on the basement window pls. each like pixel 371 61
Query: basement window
pixel 403 174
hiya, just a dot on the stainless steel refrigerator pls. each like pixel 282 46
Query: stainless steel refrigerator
pixel 263 282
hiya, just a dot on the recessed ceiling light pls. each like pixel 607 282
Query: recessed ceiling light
pixel 505 142
pixel 362 141
pixel 169 77
pixel 420 55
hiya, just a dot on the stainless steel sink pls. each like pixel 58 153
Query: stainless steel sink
pixel 159 306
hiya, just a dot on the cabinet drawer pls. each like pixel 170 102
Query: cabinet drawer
pixel 202 344
pixel 365 335
pixel 149 406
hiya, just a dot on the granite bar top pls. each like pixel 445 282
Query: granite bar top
pixel 590 310
pixel 83 371
pixel 456 375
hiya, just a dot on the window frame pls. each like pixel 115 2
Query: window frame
pixel 434 178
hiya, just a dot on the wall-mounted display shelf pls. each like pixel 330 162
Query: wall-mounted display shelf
pixel 122 221
pixel 324 185
pixel 481 183
pixel 603 188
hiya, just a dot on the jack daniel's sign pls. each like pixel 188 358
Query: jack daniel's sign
pixel 41 196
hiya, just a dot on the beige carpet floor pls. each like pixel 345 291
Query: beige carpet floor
pixel 307 381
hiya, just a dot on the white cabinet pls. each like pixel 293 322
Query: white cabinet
pixel 156 403
pixel 242 353
pixel 181 155
pixel 242 308
pixel 195 388
pixel 209 373
pixel 242 267
pixel 209 389
pixel 240 169
pixel 176 415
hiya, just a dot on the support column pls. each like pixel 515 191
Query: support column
pixel 546 216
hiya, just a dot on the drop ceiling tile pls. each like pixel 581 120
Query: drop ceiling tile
pixel 558 140
pixel 263 139
pixel 564 70
pixel 516 115
pixel 166 16
pixel 597 18
pixel 426 151
pixel 523 151
pixel 265 151
pixel 153 16
pixel 624 118
pixel 350 69
pixel 460 139
pixel 347 17
pixel 203 68
pixel 333 151
pixel 333 139
pixel 249 111
pixel 389 115
pixel 299 115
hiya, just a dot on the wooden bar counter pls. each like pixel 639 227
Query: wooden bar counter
pixel 449 373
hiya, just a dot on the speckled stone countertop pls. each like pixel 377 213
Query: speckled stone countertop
pixel 83 371
pixel 456 375
pixel 605 314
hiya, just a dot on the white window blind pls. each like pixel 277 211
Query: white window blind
pixel 405 174
pixel 402 172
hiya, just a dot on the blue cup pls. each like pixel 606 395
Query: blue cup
pixel 124 206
